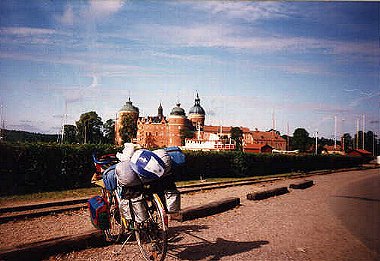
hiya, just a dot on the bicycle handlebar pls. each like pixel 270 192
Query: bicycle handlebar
pixel 109 158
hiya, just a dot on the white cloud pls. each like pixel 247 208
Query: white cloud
pixel 67 17
pixel 26 31
pixel 102 9
pixel 95 10
pixel 234 37
pixel 246 10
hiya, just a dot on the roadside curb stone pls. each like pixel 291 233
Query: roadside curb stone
pixel 207 210
pixel 267 193
pixel 302 184
pixel 38 250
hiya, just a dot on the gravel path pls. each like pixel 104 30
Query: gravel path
pixel 297 226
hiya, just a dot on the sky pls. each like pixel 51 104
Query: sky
pixel 287 65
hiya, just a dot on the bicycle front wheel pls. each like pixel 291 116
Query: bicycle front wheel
pixel 152 234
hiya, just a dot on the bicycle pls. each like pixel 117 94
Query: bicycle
pixel 151 233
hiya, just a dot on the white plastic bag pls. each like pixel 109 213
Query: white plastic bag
pixel 129 149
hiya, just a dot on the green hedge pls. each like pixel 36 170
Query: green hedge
pixel 36 167
pixel 238 164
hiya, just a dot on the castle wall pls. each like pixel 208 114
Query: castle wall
pixel 152 135
pixel 176 124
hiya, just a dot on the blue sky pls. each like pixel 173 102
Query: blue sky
pixel 303 62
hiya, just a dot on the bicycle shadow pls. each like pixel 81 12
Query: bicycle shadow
pixel 205 249
pixel 176 233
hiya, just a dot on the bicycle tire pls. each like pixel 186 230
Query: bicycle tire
pixel 116 228
pixel 152 234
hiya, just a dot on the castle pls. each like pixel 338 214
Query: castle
pixel 190 131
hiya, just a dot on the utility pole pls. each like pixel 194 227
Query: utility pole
pixel 287 137
pixel 357 134
pixel 2 127
pixel 316 142
pixel 335 132
pixel 363 146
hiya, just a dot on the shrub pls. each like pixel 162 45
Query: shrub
pixel 37 167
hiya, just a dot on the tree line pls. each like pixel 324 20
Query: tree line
pixel 302 141
pixel 90 129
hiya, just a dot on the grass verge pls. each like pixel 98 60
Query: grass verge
pixel 88 192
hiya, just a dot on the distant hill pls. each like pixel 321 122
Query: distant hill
pixel 24 136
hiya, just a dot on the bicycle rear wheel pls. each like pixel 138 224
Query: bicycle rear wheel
pixel 116 227
pixel 152 234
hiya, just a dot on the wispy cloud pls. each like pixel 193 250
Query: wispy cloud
pixel 246 10
pixel 234 37
pixel 94 10
pixel 78 94
pixel 26 31
pixel 67 18
pixel 365 99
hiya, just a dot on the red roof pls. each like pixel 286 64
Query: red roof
pixel 331 147
pixel 225 129
pixel 266 135
pixel 363 152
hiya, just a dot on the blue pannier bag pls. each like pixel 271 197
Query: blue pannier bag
pixel 176 155
pixel 109 178
pixel 99 212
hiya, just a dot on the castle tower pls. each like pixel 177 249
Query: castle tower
pixel 176 123
pixel 197 114
pixel 160 112
pixel 128 114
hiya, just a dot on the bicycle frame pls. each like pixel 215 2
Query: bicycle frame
pixel 151 233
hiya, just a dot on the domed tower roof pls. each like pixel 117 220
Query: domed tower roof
pixel 128 107
pixel 197 108
pixel 178 111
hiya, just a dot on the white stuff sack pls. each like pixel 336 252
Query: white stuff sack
pixel 173 200
pixel 165 157
pixel 138 206
pixel 125 174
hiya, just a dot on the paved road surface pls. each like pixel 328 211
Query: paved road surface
pixel 304 225
pixel 358 205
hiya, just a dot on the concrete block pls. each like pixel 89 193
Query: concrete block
pixel 268 193
pixel 207 210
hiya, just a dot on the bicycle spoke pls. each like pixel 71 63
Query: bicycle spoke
pixel 151 235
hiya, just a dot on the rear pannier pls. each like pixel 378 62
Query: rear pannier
pixel 99 212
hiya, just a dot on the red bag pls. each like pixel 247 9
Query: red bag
pixel 99 212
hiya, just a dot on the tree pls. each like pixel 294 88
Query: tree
pixel 237 136
pixel 301 140
pixel 186 133
pixel 128 129
pixel 70 134
pixel 347 142
pixel 370 142
pixel 109 131
pixel 89 128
